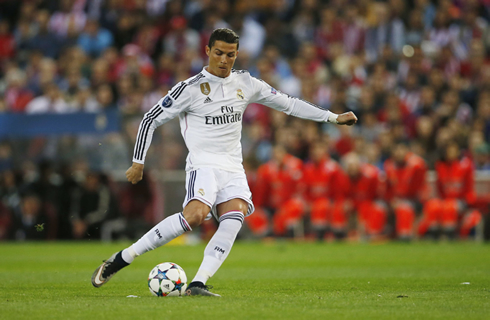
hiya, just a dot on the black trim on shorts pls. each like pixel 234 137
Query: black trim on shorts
pixel 190 185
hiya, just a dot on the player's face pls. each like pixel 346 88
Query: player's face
pixel 222 57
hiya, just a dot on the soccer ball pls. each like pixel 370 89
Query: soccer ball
pixel 167 279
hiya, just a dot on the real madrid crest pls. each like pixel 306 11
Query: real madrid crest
pixel 205 88
pixel 239 94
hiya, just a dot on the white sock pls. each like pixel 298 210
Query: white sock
pixel 128 255
pixel 220 245
pixel 167 230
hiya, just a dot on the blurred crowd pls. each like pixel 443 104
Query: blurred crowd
pixel 416 73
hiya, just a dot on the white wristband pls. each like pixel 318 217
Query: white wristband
pixel 332 118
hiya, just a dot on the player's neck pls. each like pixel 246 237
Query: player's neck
pixel 210 71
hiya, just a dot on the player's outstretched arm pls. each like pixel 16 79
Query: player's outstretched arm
pixel 347 118
pixel 266 95
pixel 135 173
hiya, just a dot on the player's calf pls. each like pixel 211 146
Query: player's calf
pixel 165 231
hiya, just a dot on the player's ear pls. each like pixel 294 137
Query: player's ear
pixel 208 50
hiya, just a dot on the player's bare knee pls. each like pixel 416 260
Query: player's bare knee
pixel 194 218
pixel 195 213
pixel 233 205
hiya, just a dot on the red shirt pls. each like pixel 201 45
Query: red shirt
pixel 321 179
pixel 276 184
pixel 365 187
pixel 7 46
pixel 455 180
pixel 407 181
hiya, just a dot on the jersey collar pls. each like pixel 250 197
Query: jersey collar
pixel 212 77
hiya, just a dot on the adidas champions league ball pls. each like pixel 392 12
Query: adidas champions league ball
pixel 167 279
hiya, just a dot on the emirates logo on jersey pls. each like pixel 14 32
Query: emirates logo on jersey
pixel 205 88
pixel 239 94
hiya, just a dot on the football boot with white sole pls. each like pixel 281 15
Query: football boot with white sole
pixel 108 269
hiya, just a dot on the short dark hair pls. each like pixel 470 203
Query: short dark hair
pixel 223 34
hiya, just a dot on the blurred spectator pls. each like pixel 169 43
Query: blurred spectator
pixel 455 195
pixel 7 45
pixel 428 11
pixel 84 100
pixel 67 15
pixel 252 34
pixel 5 221
pixel 17 95
pixel 42 72
pixel 93 206
pixel 45 41
pixel 94 40
pixel 482 157
pixel 329 32
pixel 67 188
pixel 180 39
pixel 320 176
pixel 104 98
pixel 134 62
pixel 72 82
pixel 32 222
pixel 147 39
pixel 278 188
pixel 10 190
pixel 384 29
pixel 415 30
pixel 406 188
pixel 303 23
pixel 361 193
pixel 51 102
pixel 354 31
pixel 292 84
pixel 125 30
pixel 136 202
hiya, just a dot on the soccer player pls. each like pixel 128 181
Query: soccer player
pixel 210 108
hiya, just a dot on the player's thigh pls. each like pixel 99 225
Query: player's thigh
pixel 201 185
pixel 201 188
pixel 236 204
pixel 234 194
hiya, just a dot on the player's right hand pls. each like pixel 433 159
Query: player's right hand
pixel 135 173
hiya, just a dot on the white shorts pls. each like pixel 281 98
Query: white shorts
pixel 214 186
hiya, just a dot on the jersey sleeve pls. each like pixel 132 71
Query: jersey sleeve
pixel 264 94
pixel 175 102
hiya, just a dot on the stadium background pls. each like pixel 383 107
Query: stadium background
pixel 413 71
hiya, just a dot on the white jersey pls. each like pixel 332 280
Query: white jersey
pixel 210 110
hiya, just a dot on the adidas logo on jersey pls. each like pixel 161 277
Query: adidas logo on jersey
pixel 208 100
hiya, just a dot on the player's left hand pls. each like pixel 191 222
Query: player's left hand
pixel 347 118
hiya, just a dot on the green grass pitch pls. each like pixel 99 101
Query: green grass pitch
pixel 278 280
